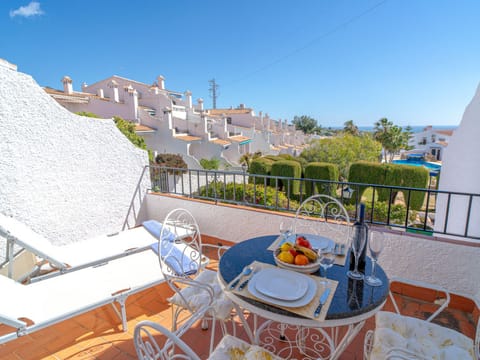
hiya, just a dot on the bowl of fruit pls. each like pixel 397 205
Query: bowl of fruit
pixel 298 256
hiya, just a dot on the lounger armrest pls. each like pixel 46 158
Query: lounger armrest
pixel 9 321
pixel 443 305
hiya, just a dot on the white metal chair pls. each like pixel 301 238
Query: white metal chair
pixel 183 267
pixel 148 334
pixel 330 217
pixel 403 337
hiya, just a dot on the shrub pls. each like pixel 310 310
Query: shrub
pixel 398 212
pixel 260 166
pixel 171 161
pixel 211 164
pixel 254 194
pixel 391 175
pixel 320 171
pixel 287 168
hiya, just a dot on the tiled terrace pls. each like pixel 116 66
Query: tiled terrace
pixel 98 334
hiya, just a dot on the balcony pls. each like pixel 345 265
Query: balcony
pixel 97 334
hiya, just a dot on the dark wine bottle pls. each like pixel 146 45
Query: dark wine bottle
pixel 360 230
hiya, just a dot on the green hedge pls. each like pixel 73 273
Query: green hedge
pixel 320 171
pixel 287 168
pixel 260 166
pixel 391 175
pixel 254 194
pixel 365 172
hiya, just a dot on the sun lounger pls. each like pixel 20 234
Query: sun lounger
pixel 81 254
pixel 59 298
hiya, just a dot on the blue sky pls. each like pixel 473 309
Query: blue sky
pixel 416 62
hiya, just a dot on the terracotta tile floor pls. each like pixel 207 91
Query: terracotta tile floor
pixel 98 334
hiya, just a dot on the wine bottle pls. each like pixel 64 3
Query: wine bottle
pixel 360 229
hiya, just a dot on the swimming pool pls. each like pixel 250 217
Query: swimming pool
pixel 420 162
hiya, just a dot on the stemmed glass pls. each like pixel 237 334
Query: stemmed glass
pixel 327 259
pixel 375 244
pixel 358 243
pixel 286 229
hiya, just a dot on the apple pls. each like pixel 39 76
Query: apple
pixel 302 241
pixel 293 252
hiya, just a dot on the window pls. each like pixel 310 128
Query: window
pixel 229 120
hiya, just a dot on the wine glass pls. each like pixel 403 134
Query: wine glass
pixel 286 229
pixel 358 243
pixel 375 244
pixel 327 259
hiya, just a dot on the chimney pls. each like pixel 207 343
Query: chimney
pixel 188 98
pixel 242 106
pixel 113 85
pixel 200 104
pixel 84 86
pixel 67 85
pixel 100 93
pixel 161 82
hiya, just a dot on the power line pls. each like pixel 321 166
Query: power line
pixel 312 42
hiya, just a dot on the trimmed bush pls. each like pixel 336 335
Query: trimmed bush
pixel 287 168
pixel 391 175
pixel 260 166
pixel 320 171
pixel 367 173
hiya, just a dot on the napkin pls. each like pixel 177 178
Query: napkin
pixel 155 228
pixel 177 260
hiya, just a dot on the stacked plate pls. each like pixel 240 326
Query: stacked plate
pixel 282 287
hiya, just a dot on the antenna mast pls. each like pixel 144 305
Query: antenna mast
pixel 213 92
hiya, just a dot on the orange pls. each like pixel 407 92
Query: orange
pixel 301 260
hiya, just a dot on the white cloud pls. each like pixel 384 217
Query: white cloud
pixel 31 9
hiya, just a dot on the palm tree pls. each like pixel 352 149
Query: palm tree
pixel 350 128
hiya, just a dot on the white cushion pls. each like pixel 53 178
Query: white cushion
pixel 233 348
pixel 196 298
pixel 419 337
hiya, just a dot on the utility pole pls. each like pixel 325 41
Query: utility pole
pixel 213 92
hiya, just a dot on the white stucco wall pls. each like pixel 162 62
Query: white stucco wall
pixel 67 177
pixel 454 266
pixel 460 173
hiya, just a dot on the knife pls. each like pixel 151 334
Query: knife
pixel 323 300
pixel 243 284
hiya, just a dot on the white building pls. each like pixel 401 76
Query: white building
pixel 170 122
pixel 430 141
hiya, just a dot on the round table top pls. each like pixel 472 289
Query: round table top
pixel 351 299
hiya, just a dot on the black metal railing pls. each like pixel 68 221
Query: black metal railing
pixel 412 209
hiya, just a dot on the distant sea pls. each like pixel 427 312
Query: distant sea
pixel 415 129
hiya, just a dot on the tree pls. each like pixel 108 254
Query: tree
pixel 391 136
pixel 128 129
pixel 350 128
pixel 343 150
pixel 305 123
pixel 246 159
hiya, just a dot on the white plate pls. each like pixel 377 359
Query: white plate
pixel 317 241
pixel 309 295
pixel 281 284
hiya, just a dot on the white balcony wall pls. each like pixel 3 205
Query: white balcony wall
pixel 460 173
pixel 438 261
pixel 58 168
